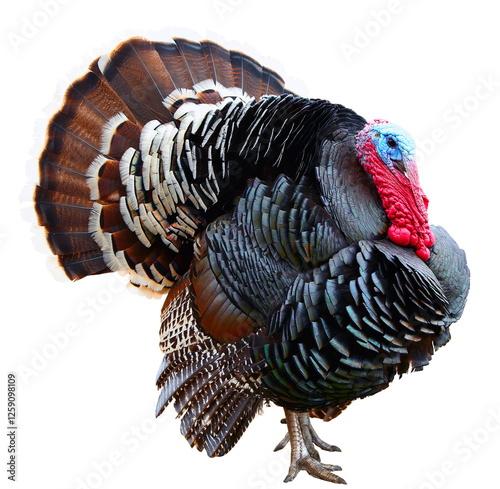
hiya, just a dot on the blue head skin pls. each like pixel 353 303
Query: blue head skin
pixel 394 145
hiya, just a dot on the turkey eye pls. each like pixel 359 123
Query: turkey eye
pixel 391 143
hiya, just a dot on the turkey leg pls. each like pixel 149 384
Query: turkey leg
pixel 302 438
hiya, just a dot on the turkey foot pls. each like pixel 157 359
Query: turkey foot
pixel 302 438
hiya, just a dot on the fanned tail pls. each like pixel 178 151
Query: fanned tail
pixel 99 195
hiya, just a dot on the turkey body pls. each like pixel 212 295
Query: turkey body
pixel 291 272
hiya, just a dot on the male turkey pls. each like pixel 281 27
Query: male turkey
pixel 289 235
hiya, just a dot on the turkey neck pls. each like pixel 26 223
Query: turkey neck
pixel 347 191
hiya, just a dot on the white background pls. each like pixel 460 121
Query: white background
pixel 86 402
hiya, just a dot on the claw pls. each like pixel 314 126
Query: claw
pixel 304 456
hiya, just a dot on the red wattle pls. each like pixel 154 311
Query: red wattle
pixel 423 253
pixel 430 239
pixel 400 236
pixel 404 201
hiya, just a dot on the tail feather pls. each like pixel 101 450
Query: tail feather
pixel 61 179
pixel 197 61
pixel 74 151
pixel 110 218
pixel 81 118
pixel 103 180
pixel 62 211
pixel 130 95
pixel 79 265
pixel 247 73
pixel 273 83
pixel 143 187
pixel 98 93
pixel 118 135
pixel 219 62
pixel 175 65
pixel 137 64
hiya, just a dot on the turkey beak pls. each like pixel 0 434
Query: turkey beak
pixel 403 165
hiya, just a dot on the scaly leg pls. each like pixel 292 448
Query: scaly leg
pixel 303 437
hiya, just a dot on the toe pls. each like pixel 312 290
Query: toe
pixel 322 471
pixel 282 443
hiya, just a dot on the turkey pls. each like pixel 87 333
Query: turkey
pixel 289 236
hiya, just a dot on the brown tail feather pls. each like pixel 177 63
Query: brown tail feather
pixel 273 82
pixel 196 61
pixel 61 211
pixel 175 65
pixel 137 64
pixel 79 265
pixel 219 61
pixel 130 95
pixel 65 242
pixel 247 73
pixel 61 179
pixel 71 143
pixel 95 221
pixel 100 94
